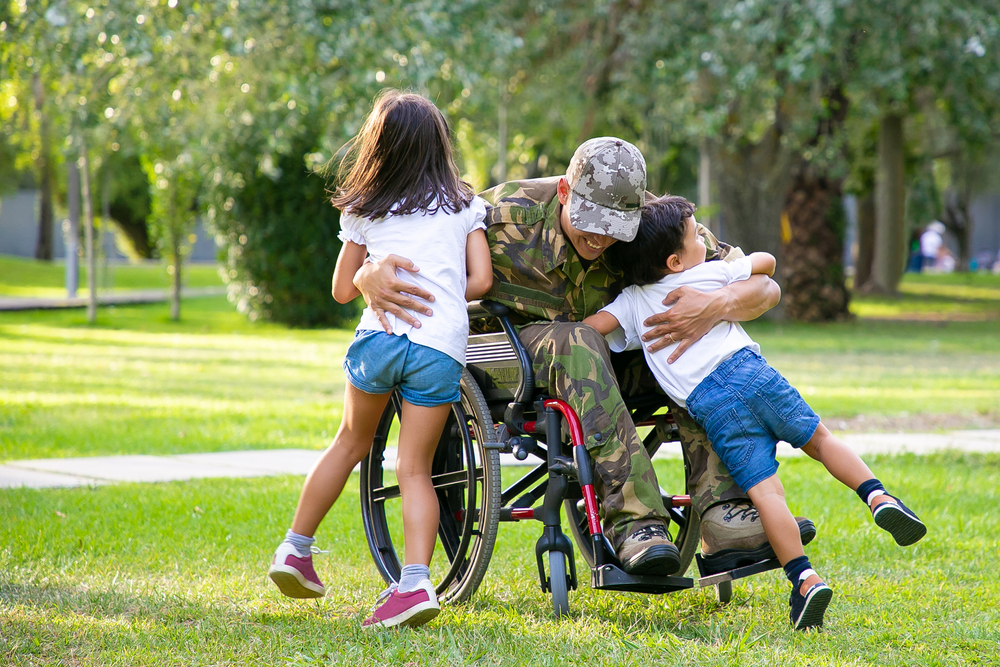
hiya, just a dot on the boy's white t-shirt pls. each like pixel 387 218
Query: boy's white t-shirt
pixel 435 243
pixel 636 303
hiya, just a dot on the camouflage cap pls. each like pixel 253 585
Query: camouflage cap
pixel 607 177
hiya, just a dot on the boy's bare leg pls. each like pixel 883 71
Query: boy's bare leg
pixel 419 433
pixel 779 524
pixel 329 474
pixel 840 460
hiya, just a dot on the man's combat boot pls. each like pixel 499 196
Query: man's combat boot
pixel 649 551
pixel 732 536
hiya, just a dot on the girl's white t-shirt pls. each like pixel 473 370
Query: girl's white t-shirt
pixel 725 339
pixel 435 243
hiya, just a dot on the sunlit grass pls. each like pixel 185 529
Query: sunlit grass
pixel 936 297
pixel 137 383
pixel 212 382
pixel 175 574
pixel 33 278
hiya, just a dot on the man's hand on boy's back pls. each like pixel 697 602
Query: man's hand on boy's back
pixel 384 292
pixel 691 316
pixel 694 313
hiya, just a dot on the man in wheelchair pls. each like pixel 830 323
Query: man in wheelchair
pixel 547 238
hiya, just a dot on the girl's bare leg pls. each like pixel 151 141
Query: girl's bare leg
pixel 840 460
pixel 327 478
pixel 419 433
pixel 779 524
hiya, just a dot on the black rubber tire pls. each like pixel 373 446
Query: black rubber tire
pixel 684 528
pixel 467 537
pixel 558 583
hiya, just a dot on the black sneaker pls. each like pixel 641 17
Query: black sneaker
pixel 649 551
pixel 899 521
pixel 807 610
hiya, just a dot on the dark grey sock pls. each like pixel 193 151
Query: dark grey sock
pixel 300 542
pixel 411 576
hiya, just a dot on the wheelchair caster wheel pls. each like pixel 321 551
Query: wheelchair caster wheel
pixel 724 591
pixel 559 583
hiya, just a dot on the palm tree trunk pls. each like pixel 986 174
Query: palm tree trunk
pixel 813 266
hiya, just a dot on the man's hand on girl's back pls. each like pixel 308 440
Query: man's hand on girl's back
pixel 384 292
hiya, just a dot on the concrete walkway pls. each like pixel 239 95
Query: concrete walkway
pixel 95 470
pixel 124 298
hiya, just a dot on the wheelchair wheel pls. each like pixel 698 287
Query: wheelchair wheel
pixel 466 477
pixel 684 528
pixel 558 583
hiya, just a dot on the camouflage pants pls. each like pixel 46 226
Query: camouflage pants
pixel 708 481
pixel 572 362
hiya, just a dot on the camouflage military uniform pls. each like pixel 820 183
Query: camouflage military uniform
pixel 538 274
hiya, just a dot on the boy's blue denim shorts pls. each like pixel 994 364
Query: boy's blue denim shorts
pixel 378 362
pixel 746 407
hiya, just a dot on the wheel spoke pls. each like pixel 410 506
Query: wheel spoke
pixel 447 480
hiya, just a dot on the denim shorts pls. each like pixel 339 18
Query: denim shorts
pixel 378 362
pixel 746 407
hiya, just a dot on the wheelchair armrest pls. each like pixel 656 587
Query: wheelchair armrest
pixel 480 310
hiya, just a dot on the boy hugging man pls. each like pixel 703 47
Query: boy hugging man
pixel 744 405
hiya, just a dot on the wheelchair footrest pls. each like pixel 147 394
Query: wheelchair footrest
pixel 612 578
pixel 737 573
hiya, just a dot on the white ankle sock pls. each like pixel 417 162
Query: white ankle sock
pixel 411 576
pixel 300 542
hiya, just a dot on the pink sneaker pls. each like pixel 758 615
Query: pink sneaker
pixel 294 574
pixel 411 609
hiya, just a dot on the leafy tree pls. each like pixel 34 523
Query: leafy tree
pixel 912 57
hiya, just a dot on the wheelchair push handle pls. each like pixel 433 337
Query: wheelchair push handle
pixel 480 310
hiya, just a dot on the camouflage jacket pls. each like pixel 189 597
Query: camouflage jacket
pixel 536 270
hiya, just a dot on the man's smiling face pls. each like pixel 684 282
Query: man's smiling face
pixel 588 245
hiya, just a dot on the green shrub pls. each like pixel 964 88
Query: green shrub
pixel 278 231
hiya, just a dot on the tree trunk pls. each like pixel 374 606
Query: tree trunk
pixel 958 219
pixel 866 240
pixel 890 199
pixel 43 249
pixel 88 212
pixel 73 235
pixel 813 266
pixel 175 291
pixel 105 246
pixel 705 187
pixel 752 182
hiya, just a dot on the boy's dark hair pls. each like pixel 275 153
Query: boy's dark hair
pixel 401 162
pixel 643 260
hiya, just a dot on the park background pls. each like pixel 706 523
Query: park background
pixel 177 145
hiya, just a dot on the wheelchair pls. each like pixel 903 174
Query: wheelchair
pixel 500 412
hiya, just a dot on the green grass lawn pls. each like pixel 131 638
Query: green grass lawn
pixel 137 383
pixel 32 278
pixel 936 297
pixel 175 574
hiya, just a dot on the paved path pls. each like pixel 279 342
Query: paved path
pixel 123 298
pixel 95 470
